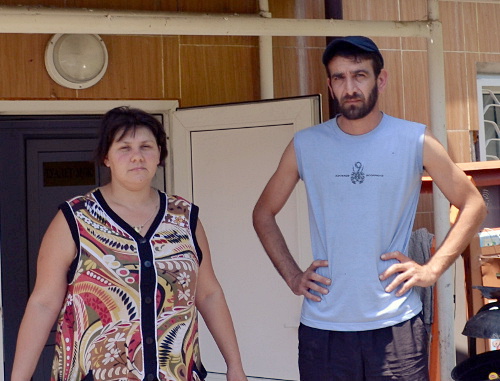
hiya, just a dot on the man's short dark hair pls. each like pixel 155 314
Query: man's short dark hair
pixel 356 47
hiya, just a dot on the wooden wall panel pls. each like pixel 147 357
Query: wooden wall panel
pixel 425 213
pixel 299 9
pixel 426 203
pixel 471 27
pixel 300 72
pixel 459 146
pixel 22 65
pixel 219 6
pixel 457 113
pixel 171 68
pixel 286 72
pixel 490 57
pixel 391 100
pixel 44 3
pixel 415 80
pixel 142 5
pixel 413 10
pixel 135 69
pixel 424 220
pixel 301 42
pixel 208 65
pixel 471 60
pixel 298 69
pixel 218 74
pixel 414 43
pixel 374 10
pixel 488 30
pixel 452 18
pixel 220 40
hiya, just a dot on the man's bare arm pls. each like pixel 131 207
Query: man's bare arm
pixel 271 201
pixel 461 193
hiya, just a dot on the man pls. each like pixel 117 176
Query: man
pixel 362 169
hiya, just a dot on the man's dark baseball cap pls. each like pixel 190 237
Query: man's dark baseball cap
pixel 360 42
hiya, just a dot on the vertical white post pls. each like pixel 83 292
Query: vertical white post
pixel 445 284
pixel 266 57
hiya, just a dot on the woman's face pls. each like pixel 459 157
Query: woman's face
pixel 134 158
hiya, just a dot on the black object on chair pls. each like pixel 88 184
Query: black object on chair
pixel 485 324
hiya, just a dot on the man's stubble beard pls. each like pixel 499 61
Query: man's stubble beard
pixel 354 112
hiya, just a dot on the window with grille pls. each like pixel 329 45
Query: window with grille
pixel 489 117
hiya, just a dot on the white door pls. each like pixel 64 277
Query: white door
pixel 223 156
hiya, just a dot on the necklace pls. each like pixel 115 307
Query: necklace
pixel 139 227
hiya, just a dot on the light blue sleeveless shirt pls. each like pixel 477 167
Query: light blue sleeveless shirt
pixel 362 193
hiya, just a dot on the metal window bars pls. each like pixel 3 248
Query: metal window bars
pixel 490 120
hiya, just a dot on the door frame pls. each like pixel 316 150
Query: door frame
pixel 84 107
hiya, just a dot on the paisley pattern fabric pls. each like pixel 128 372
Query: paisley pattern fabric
pixel 129 312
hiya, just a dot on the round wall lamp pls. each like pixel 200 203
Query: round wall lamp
pixel 76 61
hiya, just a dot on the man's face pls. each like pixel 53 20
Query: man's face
pixel 354 85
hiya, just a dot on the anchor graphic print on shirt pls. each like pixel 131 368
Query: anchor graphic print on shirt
pixel 358 174
pixel 129 312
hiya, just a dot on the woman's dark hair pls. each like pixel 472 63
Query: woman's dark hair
pixel 122 120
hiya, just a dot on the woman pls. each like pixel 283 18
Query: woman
pixel 130 267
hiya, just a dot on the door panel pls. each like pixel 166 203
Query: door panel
pixel 61 169
pixel 223 157
pixel 15 218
